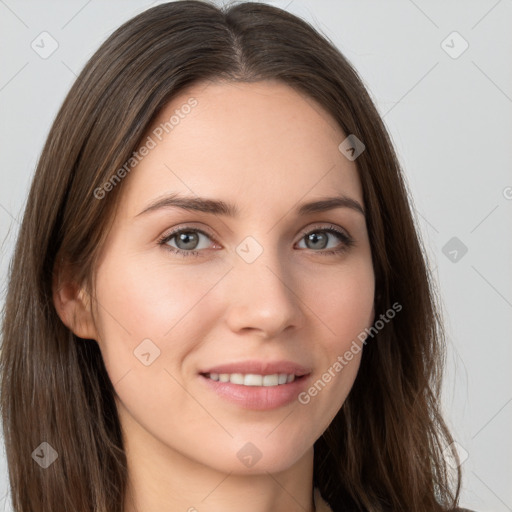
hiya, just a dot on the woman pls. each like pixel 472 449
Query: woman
pixel 174 339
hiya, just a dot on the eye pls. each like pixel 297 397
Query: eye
pixel 186 239
pixel 318 238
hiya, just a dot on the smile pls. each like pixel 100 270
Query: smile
pixel 255 391
pixel 251 379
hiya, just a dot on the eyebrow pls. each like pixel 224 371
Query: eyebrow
pixel 218 207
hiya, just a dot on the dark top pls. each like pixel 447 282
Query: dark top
pixel 322 506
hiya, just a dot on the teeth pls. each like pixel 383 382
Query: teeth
pixel 270 380
pixel 282 378
pixel 251 379
pixel 236 378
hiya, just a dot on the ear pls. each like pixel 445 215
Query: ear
pixel 73 303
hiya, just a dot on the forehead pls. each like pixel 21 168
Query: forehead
pixel 262 145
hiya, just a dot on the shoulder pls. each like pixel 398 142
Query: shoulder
pixel 322 506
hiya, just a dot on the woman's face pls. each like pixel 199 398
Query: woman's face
pixel 198 343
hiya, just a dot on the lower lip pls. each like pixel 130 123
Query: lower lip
pixel 259 398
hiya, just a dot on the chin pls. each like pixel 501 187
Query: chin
pixel 261 456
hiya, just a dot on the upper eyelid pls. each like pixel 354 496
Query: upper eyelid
pixel 176 231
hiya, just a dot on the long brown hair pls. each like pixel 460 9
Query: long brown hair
pixel 383 450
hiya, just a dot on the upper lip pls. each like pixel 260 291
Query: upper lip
pixel 260 368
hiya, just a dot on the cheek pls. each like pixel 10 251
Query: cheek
pixel 345 305
pixel 150 318
pixel 345 309
pixel 151 308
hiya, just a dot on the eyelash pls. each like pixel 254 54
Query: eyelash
pixel 347 241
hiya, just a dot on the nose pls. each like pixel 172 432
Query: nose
pixel 263 296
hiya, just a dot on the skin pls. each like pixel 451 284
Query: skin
pixel 264 147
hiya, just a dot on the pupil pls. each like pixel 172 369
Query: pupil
pixel 186 238
pixel 315 238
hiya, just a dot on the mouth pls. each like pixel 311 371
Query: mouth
pixel 253 379
pixel 257 385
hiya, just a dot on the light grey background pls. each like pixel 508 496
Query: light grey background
pixel 450 117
